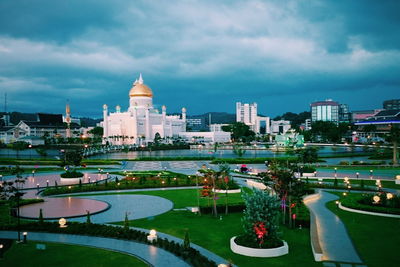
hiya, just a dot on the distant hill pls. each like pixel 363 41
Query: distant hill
pixel 89 122
pixel 216 117
pixel 16 117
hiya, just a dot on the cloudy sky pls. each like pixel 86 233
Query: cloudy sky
pixel 204 55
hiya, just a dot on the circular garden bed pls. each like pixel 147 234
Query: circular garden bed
pixel 265 252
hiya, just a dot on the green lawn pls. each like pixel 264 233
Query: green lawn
pixel 65 255
pixel 375 238
pixel 214 235
pixel 360 167
pixel 367 182
pixel 181 198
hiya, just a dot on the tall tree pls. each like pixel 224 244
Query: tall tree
pixel 239 131
pixel 394 138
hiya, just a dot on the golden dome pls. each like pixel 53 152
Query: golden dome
pixel 140 89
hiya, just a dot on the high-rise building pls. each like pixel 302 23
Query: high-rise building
pixel 344 113
pixel 391 104
pixel 247 113
pixel 327 110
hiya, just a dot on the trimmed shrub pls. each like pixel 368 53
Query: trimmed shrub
pixel 71 174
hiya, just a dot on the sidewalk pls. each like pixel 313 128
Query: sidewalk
pixel 335 242
pixel 154 256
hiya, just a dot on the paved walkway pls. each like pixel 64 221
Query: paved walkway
pixel 154 256
pixel 55 208
pixel 137 206
pixel 217 259
pixel 335 242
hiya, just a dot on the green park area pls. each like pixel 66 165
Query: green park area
pixel 375 237
pixel 214 233
pixel 21 255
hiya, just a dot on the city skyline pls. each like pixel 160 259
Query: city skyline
pixel 204 56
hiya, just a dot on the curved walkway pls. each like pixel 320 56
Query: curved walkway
pixel 137 206
pixel 334 240
pixel 154 256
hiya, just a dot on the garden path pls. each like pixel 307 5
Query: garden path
pixel 154 256
pixel 335 242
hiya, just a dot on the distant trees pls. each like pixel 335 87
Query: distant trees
pixel 239 132
pixel 328 131
pixel 72 158
pixel 295 119
pixel 307 155
pixel 97 131
pixel 394 137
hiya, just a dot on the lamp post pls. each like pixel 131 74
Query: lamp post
pixel 1 251
pixel 30 151
pixel 371 173
pixel 335 172
pixel 25 234
pixel 358 175
pixel 198 193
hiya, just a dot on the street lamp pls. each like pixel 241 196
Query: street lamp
pixel 25 234
pixel 371 172
pixel 358 175
pixel 198 193
pixel 335 172
pixel 30 151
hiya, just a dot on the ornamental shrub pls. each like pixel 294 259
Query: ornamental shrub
pixel 308 169
pixel 41 220
pixel 260 220
pixel 71 174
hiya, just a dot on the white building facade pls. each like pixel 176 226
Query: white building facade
pixel 141 122
pixel 280 126
pixel 247 113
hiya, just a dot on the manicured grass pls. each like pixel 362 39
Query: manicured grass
pixel 357 201
pixel 214 234
pixel 345 167
pixel 28 171
pixel 367 182
pixel 6 206
pixel 181 198
pixel 39 161
pixel 65 255
pixel 375 238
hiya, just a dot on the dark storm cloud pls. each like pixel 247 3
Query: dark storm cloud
pixel 203 55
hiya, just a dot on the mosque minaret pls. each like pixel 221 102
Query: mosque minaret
pixel 141 122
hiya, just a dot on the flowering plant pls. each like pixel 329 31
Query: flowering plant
pixel 261 231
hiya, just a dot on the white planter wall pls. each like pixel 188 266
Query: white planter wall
pixel 259 252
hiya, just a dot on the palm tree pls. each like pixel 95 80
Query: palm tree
pixel 225 170
pixel 394 138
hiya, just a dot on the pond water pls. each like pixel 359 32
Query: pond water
pixel 54 153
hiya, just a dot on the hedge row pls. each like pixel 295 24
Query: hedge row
pixel 353 202
pixel 190 255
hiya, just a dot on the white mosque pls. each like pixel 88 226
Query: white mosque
pixel 141 122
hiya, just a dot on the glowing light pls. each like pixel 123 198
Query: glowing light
pixel 389 195
pixel 376 199
pixel 153 232
pixel 62 222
